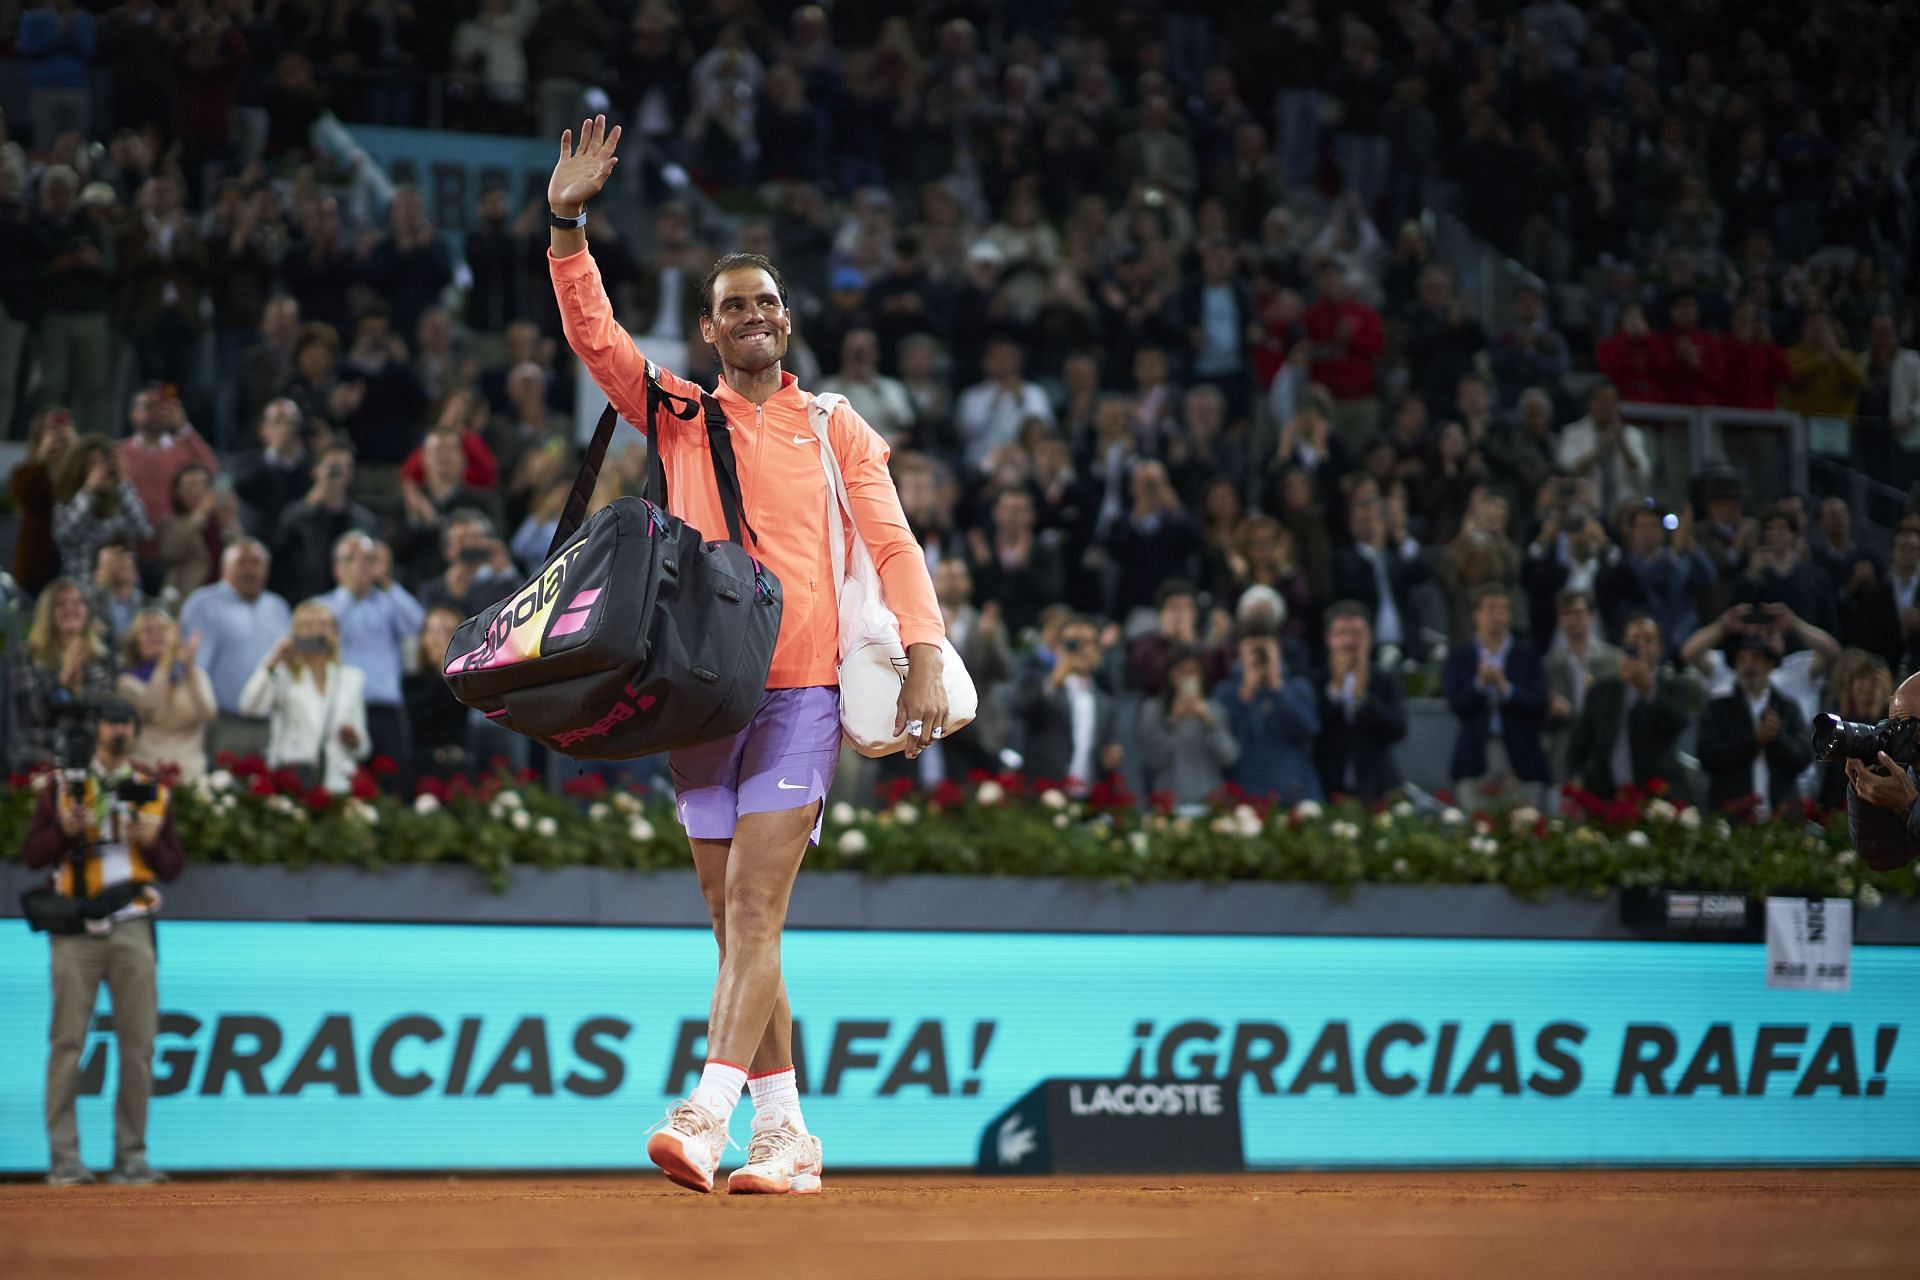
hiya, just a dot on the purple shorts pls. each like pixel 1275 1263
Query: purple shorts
pixel 783 759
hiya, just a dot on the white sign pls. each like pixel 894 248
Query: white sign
pixel 1809 943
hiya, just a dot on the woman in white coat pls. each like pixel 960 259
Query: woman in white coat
pixel 315 706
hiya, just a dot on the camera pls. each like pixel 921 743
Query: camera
pixel 1837 739
pixel 310 644
pixel 137 793
pixel 73 739
pixel 478 554
pixel 334 470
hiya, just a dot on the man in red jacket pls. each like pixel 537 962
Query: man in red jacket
pixel 1754 365
pixel 107 833
pixel 1346 337
pixel 1634 359
pixel 1697 365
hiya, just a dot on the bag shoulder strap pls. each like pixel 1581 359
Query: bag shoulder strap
pixel 820 413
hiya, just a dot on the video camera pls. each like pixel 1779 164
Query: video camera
pixel 1837 739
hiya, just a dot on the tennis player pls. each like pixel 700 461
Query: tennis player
pixel 751 803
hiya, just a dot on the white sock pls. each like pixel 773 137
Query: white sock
pixel 719 1087
pixel 778 1089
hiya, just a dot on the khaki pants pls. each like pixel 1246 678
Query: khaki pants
pixel 125 960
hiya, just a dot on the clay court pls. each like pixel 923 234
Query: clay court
pixel 1481 1224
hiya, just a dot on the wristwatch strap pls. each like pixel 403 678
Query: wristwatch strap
pixel 559 223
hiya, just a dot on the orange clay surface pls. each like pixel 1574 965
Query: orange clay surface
pixel 1525 1224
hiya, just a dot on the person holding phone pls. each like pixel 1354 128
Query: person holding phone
pixel 1274 716
pixel 315 705
pixel 1069 719
pixel 1186 738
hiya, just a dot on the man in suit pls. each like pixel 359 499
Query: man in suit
pixel 1069 719
pixel 1363 711
pixel 1576 661
pixel 1883 617
pixel 1627 728
pixel 1498 690
pixel 1753 742
pixel 1380 571
pixel 979 635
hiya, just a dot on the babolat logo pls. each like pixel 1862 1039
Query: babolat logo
pixel 514 634
pixel 624 708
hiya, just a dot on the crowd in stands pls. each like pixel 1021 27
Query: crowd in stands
pixel 1214 459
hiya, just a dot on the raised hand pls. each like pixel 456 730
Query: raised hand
pixel 584 169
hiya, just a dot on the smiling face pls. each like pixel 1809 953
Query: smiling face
pixel 153 636
pixel 750 325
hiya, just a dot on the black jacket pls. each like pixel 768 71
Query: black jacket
pixel 1727 748
pixel 1886 842
pixel 1653 727
pixel 1365 742
pixel 1353 579
pixel 1046 714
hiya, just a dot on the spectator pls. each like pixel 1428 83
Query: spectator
pixel 1497 689
pixel 409 266
pixel 58 41
pixel 1157 540
pixel 1219 314
pixel 1777 574
pixel 1848 565
pixel 204 521
pixel 1155 154
pixel 1570 552
pixel 1068 719
pixel 989 413
pixel 321 271
pixel 1755 366
pixel 376 621
pixel 116 596
pixel 313 704
pixel 980 637
pixel 266 366
pixel 75 336
pixel 97 844
pixel 1380 571
pixel 1892 396
pixel 1308 443
pixel 377 401
pixel 1861 690
pixel 1530 352
pixel 1884 618
pixel 236 622
pixel 1696 371
pixel 162 265
pixel 1728 538
pixel 1346 339
pixel 1012 563
pixel 1177 630
pixel 1363 85
pixel 161 681
pixel 36 555
pixel 95 505
pixel 1827 378
pixel 427 505
pixel 881 400
pixel 1274 716
pixel 1753 742
pixel 1524 457
pixel 532 442
pixel 1634 358
pixel 61 676
pixel 1187 744
pixel 479 570
pixel 1305 521
pixel 1362 712
pixel 1626 730
pixel 1655 578
pixel 1441 339
pixel 162 444
pixel 273 477
pixel 491 47
pixel 308 530
pixel 243 249
pixel 436 720
pixel 1576 661
pixel 1799 675
pixel 1607 453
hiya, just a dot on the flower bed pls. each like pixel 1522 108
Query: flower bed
pixel 1007 825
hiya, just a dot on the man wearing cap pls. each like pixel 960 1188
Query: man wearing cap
pixel 107 835
pixel 1753 742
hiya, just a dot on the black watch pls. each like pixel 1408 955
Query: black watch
pixel 559 223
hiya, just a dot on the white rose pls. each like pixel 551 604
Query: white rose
pixel 1053 798
pixel 1452 816
pixel 626 802
pixel 640 830
pixel 905 814
pixel 990 792
pixel 853 841
pixel 1844 858
pixel 1060 821
pixel 843 814
pixel 508 799
pixel 520 820
pixel 1344 830
pixel 598 812
pixel 1869 896
pixel 220 780
pixel 1722 829
pixel 1400 867
pixel 546 828
pixel 1138 842
pixel 1524 817
pixel 1383 819
pixel 1403 809
pixel 426 803
pixel 1246 820
pixel 1690 819
pixel 1846 886
pixel 1307 810
pixel 1662 810
pixel 1638 839
pixel 41 779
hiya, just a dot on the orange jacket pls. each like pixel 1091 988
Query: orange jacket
pixel 783 486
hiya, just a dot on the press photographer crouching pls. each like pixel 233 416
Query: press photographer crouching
pixel 1882 817
pixel 106 830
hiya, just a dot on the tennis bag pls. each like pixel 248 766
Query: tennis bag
pixel 637 635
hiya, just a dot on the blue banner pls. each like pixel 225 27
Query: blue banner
pixel 452 169
pixel 385 1046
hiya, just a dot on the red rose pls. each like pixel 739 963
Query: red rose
pixel 364 787
pixel 434 787
pixel 588 786
pixel 319 799
pixel 948 794
pixel 383 766
pixel 1656 787
pixel 261 786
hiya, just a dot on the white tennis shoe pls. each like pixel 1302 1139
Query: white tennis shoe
pixel 781 1160
pixel 688 1144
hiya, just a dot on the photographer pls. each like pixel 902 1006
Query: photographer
pixel 1273 714
pixel 107 832
pixel 309 529
pixel 1069 719
pixel 479 568
pixel 1882 817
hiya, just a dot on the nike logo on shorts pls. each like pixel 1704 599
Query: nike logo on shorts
pixel 784 785
pixel 803 440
